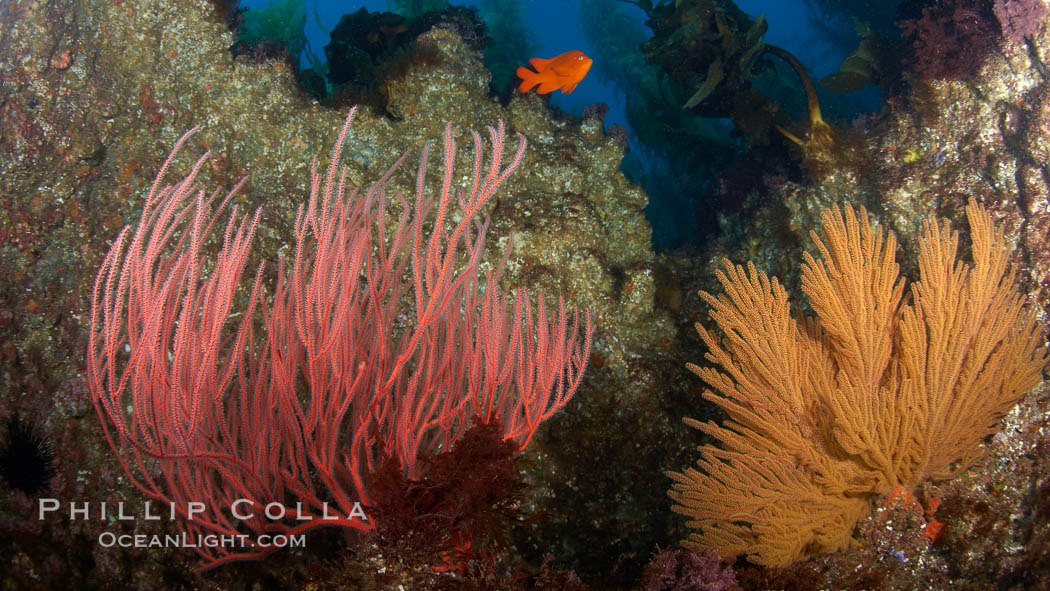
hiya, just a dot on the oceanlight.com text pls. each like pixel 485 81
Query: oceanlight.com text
pixel 185 540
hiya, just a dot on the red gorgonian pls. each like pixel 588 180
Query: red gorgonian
pixel 382 339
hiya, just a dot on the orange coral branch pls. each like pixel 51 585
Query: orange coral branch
pixel 873 394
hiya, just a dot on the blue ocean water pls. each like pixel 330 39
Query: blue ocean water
pixel 819 40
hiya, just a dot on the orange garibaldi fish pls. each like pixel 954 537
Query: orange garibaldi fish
pixel 564 72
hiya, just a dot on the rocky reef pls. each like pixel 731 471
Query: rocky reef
pixel 94 94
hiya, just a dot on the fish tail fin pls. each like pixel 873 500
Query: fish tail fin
pixel 528 79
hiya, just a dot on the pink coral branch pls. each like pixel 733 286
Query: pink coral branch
pixel 350 367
